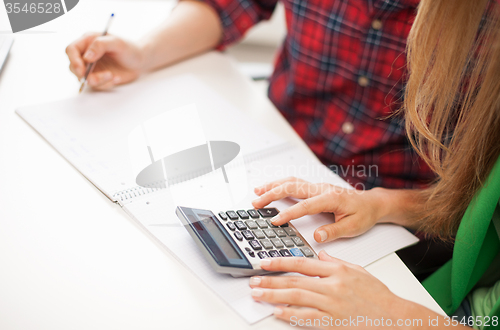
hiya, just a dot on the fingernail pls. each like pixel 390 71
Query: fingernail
pixel 256 200
pixel 257 292
pixel 278 311
pixel 88 55
pixel 265 262
pixel 255 280
pixel 116 80
pixel 323 235
pixel 276 218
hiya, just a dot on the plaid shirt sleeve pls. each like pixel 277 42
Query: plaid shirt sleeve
pixel 237 16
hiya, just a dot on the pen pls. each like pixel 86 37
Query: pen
pixel 90 66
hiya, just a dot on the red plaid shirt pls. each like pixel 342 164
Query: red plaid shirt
pixel 337 77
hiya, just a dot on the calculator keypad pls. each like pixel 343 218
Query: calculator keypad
pixel 266 239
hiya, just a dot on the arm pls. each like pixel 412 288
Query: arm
pixel 339 294
pixel 192 28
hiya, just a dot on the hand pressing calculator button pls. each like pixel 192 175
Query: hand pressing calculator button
pixel 236 247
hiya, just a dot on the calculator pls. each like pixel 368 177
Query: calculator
pixel 233 242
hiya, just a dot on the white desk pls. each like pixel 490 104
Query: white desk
pixel 71 259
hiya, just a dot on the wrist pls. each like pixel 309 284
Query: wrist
pixel 145 57
pixel 381 197
pixel 397 206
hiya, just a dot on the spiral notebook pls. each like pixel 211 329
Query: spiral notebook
pixel 93 131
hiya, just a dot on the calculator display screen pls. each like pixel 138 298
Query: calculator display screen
pixel 218 236
pixel 214 238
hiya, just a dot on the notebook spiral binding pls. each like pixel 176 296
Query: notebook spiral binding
pixel 127 195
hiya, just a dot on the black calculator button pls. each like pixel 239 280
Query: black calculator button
pixel 223 215
pixel 243 214
pixel 297 241
pixel 307 252
pixel 284 225
pixel 271 224
pixel 290 231
pixel 251 224
pixel 270 233
pixel 269 212
pixel 255 245
pixel 285 253
pixel 274 254
pixel 231 226
pixel 253 214
pixel 287 241
pixel 278 243
pixel 232 215
pixel 247 234
pixel 280 232
pixel 250 252
pixel 240 225
pixel 266 244
pixel 259 234
pixel 263 254
pixel 238 235
pixel 262 223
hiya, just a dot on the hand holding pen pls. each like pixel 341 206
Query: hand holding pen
pixel 103 61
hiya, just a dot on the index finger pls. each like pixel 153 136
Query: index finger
pixel 75 51
pixel 309 206
pixel 305 266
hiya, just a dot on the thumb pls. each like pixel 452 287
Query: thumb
pixel 101 46
pixel 347 227
pixel 323 256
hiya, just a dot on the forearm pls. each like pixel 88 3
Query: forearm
pixel 192 28
pixel 417 317
pixel 398 206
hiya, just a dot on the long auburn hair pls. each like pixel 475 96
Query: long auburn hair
pixel 452 104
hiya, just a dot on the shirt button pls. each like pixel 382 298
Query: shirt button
pixel 377 24
pixel 363 81
pixel 347 127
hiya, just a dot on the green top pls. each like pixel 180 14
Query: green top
pixel 484 297
pixel 477 244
